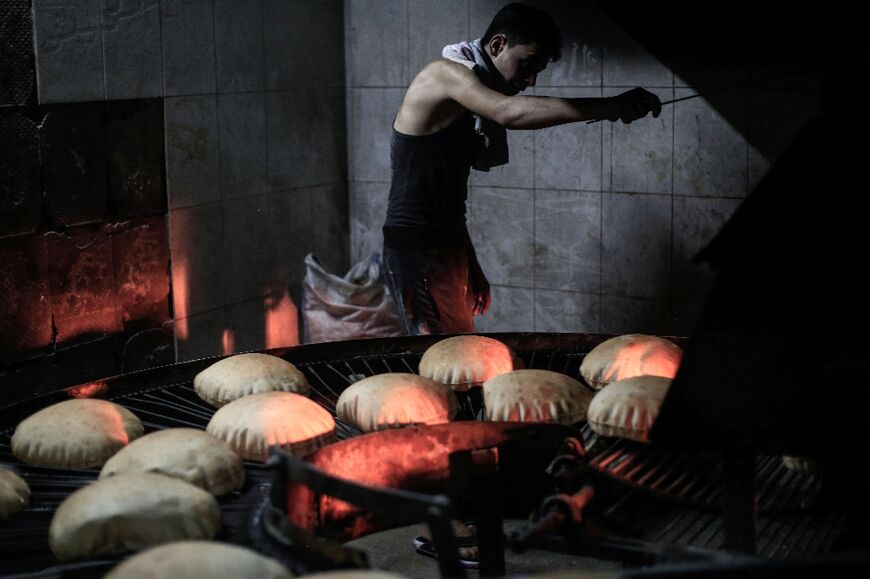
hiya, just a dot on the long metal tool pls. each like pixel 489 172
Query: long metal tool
pixel 721 89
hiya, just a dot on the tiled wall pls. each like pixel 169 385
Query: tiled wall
pixel 254 107
pixel 590 227
pixel 84 242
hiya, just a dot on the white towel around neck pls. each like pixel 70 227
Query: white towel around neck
pixel 492 149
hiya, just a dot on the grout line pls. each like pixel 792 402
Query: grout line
pixel 672 291
pixel 468 31
pixel 601 203
pixel 534 233
pixel 103 53
pixel 214 43
pixel 162 63
pixel 263 46
pixel 160 35
pixel 270 199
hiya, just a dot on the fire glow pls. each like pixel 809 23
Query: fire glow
pixel 228 342
pixel 180 297
pixel 281 321
pixel 90 390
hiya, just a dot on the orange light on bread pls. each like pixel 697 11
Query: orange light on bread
pixel 76 433
pixel 629 356
pixel 254 423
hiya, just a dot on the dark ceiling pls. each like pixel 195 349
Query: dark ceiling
pixel 740 32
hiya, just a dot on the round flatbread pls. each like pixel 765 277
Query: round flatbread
pixel 628 408
pixel 629 356
pixel 462 362
pixel 75 434
pixel 245 374
pixel 186 453
pixel 395 400
pixel 14 493
pixel 198 560
pixel 131 512
pixel 535 396
pixel 253 424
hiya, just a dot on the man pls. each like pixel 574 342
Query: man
pixel 452 118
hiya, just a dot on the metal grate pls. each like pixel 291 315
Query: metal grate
pixel 687 484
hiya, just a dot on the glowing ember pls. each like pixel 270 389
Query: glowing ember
pixel 87 390
pixel 415 458
pixel 81 280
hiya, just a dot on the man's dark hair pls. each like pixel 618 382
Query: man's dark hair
pixel 524 24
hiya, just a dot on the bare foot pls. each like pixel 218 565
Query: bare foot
pixel 460 529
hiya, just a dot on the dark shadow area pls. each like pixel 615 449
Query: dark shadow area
pixel 778 361
pixel 739 51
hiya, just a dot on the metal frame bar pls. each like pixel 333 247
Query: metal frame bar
pixel 435 510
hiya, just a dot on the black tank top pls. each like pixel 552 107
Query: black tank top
pixel 429 187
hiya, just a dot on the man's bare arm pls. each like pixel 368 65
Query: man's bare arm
pixel 535 112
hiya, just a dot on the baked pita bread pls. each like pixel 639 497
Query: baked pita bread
pixel 198 560
pixel 535 396
pixel 629 356
pixel 14 493
pixel 131 512
pixel 243 374
pixel 628 408
pixel 186 453
pixel 395 400
pixel 253 424
pixel 75 434
pixel 462 362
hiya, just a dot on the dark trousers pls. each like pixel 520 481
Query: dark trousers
pixel 431 289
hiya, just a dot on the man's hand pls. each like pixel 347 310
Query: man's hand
pixel 479 289
pixel 632 105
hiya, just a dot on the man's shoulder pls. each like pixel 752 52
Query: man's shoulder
pixel 443 70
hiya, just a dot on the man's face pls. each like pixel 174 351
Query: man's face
pixel 519 65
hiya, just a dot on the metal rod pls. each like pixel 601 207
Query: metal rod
pixel 721 89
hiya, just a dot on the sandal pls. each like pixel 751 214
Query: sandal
pixel 426 547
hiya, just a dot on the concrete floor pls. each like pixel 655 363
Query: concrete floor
pixel 393 551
